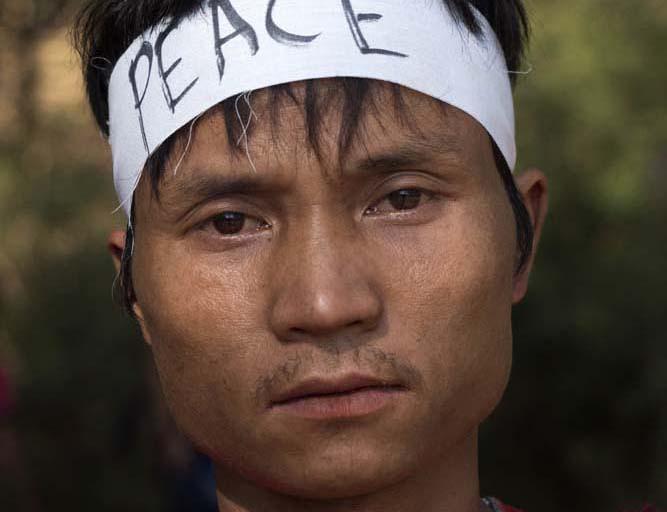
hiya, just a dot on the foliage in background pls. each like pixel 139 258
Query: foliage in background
pixel 584 422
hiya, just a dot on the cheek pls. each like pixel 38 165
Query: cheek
pixel 206 329
pixel 454 295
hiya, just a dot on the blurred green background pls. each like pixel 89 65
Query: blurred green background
pixel 584 422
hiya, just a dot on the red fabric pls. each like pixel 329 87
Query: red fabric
pixel 507 508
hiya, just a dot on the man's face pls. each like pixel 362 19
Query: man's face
pixel 394 270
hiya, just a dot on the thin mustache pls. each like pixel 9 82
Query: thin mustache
pixel 384 365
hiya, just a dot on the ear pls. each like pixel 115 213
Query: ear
pixel 116 247
pixel 532 184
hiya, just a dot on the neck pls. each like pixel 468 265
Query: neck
pixel 450 483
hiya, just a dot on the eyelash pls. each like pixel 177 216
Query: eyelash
pixel 424 197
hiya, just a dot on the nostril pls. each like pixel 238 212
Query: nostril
pixel 323 303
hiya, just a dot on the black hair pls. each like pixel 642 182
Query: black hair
pixel 104 29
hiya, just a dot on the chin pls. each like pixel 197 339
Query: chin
pixel 332 479
pixel 335 468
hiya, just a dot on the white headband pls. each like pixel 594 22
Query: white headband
pixel 172 74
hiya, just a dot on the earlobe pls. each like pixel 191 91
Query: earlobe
pixel 116 246
pixel 142 324
pixel 532 184
pixel 139 316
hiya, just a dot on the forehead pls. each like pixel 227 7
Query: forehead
pixel 329 118
pixel 330 124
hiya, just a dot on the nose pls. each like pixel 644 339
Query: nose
pixel 324 287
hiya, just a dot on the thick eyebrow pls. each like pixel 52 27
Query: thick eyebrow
pixel 206 185
pixel 202 187
pixel 413 151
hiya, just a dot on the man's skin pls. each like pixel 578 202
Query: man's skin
pixel 329 280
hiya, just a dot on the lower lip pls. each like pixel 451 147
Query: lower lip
pixel 357 403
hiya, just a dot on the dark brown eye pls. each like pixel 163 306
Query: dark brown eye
pixel 234 223
pixel 407 199
pixel 229 223
pixel 403 200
